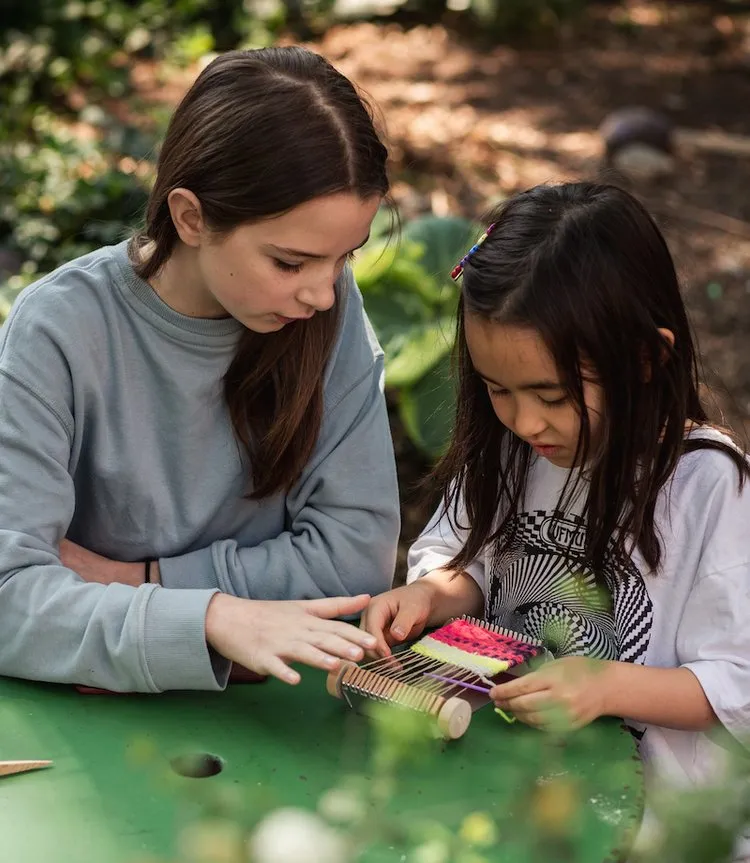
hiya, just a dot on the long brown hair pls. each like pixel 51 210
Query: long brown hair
pixel 586 267
pixel 259 133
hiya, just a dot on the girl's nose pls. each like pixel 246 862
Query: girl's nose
pixel 319 296
pixel 528 422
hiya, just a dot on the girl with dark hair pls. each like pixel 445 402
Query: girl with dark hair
pixel 195 459
pixel 587 499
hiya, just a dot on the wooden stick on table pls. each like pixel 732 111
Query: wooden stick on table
pixel 8 768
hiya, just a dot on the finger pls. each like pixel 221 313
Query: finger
pixel 336 606
pixel 309 654
pixel 408 622
pixel 276 667
pixel 375 621
pixel 381 648
pixel 357 637
pixel 380 645
pixel 380 651
pixel 335 645
pixel 532 703
pixel 525 685
pixel 535 720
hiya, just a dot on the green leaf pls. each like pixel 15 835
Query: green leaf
pixel 444 241
pixel 422 348
pixel 373 263
pixel 427 409
pixel 411 301
pixel 384 223
pixel 385 267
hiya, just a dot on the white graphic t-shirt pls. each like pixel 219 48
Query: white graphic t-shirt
pixel 694 612
pixel 534 586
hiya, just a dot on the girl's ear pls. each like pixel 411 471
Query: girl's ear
pixel 185 209
pixel 668 337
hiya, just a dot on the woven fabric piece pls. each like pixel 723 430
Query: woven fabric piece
pixel 475 647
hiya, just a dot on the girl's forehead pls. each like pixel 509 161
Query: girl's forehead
pixel 321 227
pixel 505 346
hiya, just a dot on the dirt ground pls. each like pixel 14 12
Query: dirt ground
pixel 468 123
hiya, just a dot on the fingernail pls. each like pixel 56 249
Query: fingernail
pixel 398 632
pixel 354 653
pixel 370 641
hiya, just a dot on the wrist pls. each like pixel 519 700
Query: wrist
pixel 152 572
pixel 431 596
pixel 128 573
pixel 219 616
pixel 214 615
pixel 451 594
pixel 611 688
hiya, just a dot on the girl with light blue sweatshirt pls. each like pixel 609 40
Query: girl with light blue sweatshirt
pixel 195 461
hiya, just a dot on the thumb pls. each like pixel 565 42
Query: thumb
pixel 336 606
pixel 407 619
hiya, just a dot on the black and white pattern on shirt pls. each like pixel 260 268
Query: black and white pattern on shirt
pixel 537 586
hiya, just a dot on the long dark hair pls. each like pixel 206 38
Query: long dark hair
pixel 257 134
pixel 586 267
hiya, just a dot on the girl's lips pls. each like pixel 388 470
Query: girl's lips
pixel 544 449
pixel 285 320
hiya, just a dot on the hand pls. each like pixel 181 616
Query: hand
pixel 94 567
pixel 572 689
pixel 398 615
pixel 265 636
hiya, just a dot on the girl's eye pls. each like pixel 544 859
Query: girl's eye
pixel 555 403
pixel 347 259
pixel 494 393
pixel 286 267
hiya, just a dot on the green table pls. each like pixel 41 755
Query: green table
pixel 101 803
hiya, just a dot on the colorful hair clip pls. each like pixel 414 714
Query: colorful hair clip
pixel 459 268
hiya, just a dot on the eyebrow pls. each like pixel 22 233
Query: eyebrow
pixel 534 385
pixel 311 255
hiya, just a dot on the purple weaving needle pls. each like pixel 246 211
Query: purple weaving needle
pixel 483 689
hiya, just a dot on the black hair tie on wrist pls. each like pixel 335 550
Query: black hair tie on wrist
pixel 147 577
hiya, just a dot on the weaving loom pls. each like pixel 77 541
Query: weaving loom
pixel 441 673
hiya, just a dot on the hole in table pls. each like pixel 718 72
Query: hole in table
pixel 197 765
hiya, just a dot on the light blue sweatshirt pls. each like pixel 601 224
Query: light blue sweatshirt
pixel 114 433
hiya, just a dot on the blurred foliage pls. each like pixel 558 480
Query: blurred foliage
pixel 75 174
pixel 519 17
pixel 74 177
pixel 699 824
pixel 411 301
pixel 49 49
pixel 63 196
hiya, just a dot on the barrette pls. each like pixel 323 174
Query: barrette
pixel 459 268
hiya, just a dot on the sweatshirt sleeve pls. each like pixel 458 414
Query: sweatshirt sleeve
pixel 440 542
pixel 56 627
pixel 343 514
